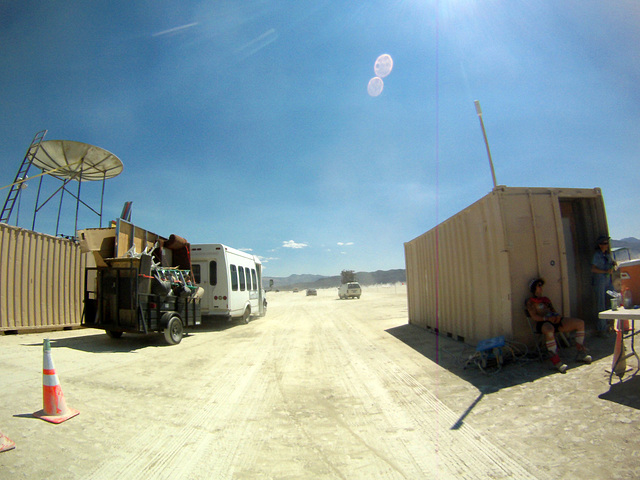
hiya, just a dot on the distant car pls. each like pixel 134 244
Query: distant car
pixel 295 290
pixel 350 290
pixel 311 291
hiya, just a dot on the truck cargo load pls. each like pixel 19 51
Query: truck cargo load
pixel 142 282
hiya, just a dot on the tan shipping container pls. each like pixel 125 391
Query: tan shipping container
pixel 41 281
pixel 468 277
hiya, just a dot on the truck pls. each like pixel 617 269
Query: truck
pixel 231 281
pixel 141 283
pixel 349 290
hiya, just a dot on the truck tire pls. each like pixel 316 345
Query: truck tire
pixel 174 330
pixel 113 334
pixel 246 315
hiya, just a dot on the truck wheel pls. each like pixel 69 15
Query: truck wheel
pixel 246 315
pixel 112 334
pixel 173 331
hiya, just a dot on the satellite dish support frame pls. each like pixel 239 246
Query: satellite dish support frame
pixel 112 166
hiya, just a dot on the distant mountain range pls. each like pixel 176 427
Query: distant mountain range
pixel 320 281
pixel 631 244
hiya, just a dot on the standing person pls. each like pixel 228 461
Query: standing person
pixel 602 266
pixel 548 322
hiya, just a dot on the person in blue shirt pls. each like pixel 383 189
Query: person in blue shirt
pixel 602 266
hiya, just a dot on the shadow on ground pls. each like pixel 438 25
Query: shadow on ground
pixel 100 342
pixel 626 392
pixel 522 367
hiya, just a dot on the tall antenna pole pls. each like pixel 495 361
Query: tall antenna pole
pixel 486 142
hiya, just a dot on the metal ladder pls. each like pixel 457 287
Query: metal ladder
pixel 14 191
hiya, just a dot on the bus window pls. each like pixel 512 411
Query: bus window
pixel 241 272
pixel 213 273
pixel 234 278
pixel 248 279
pixel 253 276
pixel 195 269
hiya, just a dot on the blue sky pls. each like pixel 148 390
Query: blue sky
pixel 249 123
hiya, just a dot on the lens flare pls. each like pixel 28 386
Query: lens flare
pixel 383 65
pixel 375 86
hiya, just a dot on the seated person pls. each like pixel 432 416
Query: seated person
pixel 548 322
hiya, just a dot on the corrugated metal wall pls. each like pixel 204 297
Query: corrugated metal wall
pixel 41 281
pixel 457 275
pixel 468 276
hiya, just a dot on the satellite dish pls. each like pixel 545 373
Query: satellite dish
pixel 76 160
pixel 65 161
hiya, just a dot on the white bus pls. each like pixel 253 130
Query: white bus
pixel 231 279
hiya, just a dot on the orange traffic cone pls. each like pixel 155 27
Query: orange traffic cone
pixel 55 408
pixel 6 443
pixel 619 365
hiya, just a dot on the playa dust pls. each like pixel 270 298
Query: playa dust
pixel 318 388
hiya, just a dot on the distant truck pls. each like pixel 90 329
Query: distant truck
pixel 349 290
pixel 231 279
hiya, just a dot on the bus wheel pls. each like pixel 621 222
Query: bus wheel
pixel 112 334
pixel 246 315
pixel 173 331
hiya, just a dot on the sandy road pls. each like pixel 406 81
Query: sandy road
pixel 316 389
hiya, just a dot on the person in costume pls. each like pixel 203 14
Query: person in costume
pixel 548 322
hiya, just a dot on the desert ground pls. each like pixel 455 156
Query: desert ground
pixel 319 388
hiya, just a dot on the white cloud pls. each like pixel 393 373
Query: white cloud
pixel 345 243
pixel 258 43
pixel 246 249
pixel 292 244
pixel 174 29
pixel 267 259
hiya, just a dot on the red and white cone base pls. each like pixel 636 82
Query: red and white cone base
pixel 6 443
pixel 54 409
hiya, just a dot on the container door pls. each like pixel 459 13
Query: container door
pixel 581 223
pixel 569 232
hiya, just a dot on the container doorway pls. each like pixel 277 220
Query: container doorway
pixel 569 232
pixel 579 229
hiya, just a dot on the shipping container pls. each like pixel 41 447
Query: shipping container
pixel 41 281
pixel 468 276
